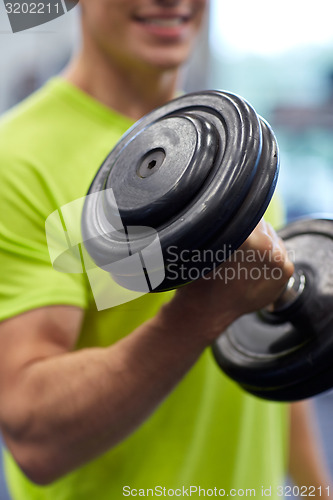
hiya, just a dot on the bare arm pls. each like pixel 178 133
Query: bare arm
pixel 307 465
pixel 60 409
pixel 64 408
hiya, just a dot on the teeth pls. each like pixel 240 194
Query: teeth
pixel 166 23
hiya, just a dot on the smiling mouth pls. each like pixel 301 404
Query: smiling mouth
pixel 164 22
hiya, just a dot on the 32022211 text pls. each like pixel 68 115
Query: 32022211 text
pixel 33 8
pixel 303 491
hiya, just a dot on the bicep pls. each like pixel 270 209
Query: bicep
pixel 32 336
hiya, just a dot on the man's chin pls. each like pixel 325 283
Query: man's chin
pixel 167 60
pixel 168 64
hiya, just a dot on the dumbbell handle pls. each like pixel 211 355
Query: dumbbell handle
pixel 292 292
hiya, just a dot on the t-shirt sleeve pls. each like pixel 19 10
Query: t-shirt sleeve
pixel 28 280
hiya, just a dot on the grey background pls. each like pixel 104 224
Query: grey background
pixel 31 16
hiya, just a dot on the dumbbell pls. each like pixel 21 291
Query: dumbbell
pixel 200 171
pixel 284 352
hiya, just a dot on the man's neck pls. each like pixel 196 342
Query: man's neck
pixel 131 93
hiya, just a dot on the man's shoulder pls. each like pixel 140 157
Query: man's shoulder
pixel 32 106
pixel 60 116
pixel 21 125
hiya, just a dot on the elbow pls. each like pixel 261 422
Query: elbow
pixel 36 464
pixel 32 451
pixel 36 471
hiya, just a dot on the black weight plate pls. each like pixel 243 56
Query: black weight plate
pixel 292 359
pixel 200 170
pixel 176 156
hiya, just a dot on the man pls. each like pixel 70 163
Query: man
pixel 101 405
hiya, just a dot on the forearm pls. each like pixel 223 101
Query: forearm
pixel 60 409
pixel 307 464
pixel 70 408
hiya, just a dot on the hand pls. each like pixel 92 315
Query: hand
pixel 253 277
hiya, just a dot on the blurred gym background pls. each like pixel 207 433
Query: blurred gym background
pixel 278 56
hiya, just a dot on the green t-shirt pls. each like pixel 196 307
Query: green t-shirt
pixel 208 433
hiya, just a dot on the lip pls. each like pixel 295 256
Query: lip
pixel 165 24
pixel 165 13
